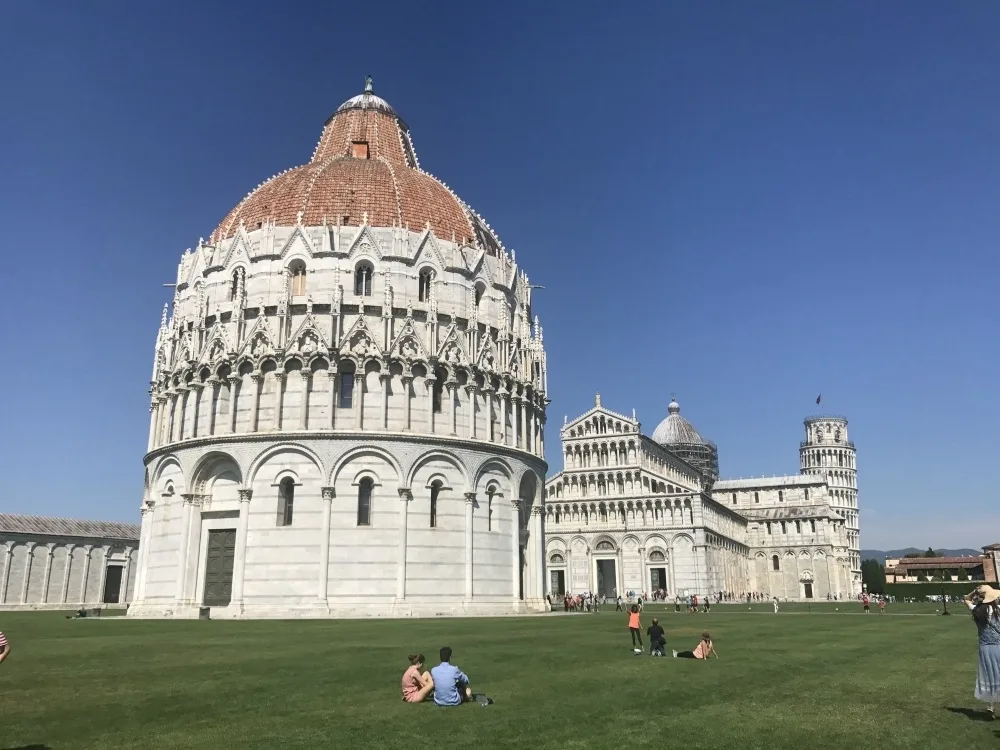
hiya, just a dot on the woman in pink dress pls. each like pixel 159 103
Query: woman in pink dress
pixel 417 685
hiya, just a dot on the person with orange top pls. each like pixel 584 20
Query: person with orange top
pixel 703 650
pixel 635 626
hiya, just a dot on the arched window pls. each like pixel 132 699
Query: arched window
pixel 491 492
pixel 605 547
pixel 286 501
pixel 424 284
pixel 775 563
pixel 656 556
pixel 297 270
pixel 363 280
pixel 365 487
pixel 812 526
pixel 734 498
pixel 480 290
pixel 807 494
pixel 781 496
pixel 235 283
pixel 557 559
pixel 435 492
pixel 798 527
pixel 756 497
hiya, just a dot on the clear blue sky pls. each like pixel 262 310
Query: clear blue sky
pixel 743 203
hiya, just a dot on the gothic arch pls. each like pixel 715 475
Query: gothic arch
pixel 204 469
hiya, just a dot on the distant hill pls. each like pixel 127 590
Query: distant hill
pixel 883 555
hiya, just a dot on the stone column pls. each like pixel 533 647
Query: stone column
pixel 196 389
pixel 515 549
pixel 525 423
pixel 470 501
pixel 64 591
pixel 87 549
pixel 49 551
pixel 27 571
pixel 123 590
pixel 332 375
pixel 405 495
pixel 452 411
pixel 431 380
pixel 145 526
pixel 515 427
pixel 258 384
pixel 215 404
pixel 304 410
pixel 538 536
pixel 384 380
pixel 488 400
pixel 408 417
pixel 359 400
pixel 187 506
pixel 472 392
pixel 279 397
pixel 240 553
pixel 324 545
pixel 235 383
pixel 502 393
pixel 8 555
pixel 154 414
pixel 106 550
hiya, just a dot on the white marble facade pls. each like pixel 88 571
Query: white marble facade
pixel 347 413
pixel 61 563
pixel 626 513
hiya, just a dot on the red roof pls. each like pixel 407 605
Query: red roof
pixel 927 563
pixel 341 185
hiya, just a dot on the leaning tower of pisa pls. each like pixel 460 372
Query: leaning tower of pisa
pixel 827 451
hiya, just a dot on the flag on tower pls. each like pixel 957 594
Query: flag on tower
pixel 819 398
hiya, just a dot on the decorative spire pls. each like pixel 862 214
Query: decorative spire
pixel 163 316
pixel 597 400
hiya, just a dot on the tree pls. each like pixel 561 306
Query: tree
pixel 873 576
pixel 931 553
pixel 963 575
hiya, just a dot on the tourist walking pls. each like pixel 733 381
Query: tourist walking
pixel 985 608
pixel 775 605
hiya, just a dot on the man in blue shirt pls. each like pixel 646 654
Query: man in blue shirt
pixel 451 685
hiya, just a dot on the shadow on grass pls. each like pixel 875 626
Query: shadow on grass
pixel 29 747
pixel 972 713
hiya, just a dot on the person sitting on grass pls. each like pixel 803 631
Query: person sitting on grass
pixel 451 684
pixel 703 650
pixel 657 638
pixel 4 648
pixel 417 685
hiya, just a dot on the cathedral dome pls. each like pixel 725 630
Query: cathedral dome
pixel 364 170
pixel 676 430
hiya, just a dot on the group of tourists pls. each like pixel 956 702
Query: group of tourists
pixel 658 639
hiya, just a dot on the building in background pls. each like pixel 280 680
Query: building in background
pixel 630 512
pixel 920 569
pixel 348 401
pixel 62 563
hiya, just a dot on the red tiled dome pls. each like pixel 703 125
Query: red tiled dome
pixel 364 163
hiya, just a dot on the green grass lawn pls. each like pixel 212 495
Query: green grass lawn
pixel 810 677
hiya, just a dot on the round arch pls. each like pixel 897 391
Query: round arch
pixel 202 472
pixel 438 454
pixel 364 450
pixel 272 450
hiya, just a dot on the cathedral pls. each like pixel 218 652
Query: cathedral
pixel 348 401
pixel 635 513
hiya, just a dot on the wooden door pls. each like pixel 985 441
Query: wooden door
pixel 219 567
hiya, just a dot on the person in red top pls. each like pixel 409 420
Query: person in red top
pixel 866 601
pixel 694 603
pixel 634 625
pixel 881 605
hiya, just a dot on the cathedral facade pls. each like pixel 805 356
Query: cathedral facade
pixel 348 401
pixel 636 513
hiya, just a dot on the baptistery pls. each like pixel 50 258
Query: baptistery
pixel 348 401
